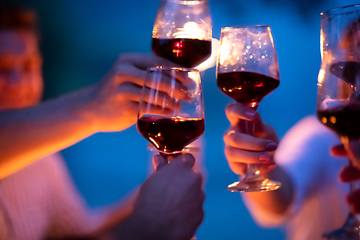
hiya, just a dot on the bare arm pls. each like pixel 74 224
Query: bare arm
pixel 31 133
pixel 110 105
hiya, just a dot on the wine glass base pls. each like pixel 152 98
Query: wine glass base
pixel 255 185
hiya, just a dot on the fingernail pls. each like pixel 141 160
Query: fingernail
pixel 271 166
pixel 271 146
pixel 264 157
pixel 250 114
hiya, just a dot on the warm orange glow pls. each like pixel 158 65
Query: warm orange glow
pixel 333 119
pixel 191 30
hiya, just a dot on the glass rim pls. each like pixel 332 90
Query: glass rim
pixel 355 6
pixel 245 26
pixel 178 69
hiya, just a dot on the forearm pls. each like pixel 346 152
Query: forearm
pixel 277 201
pixel 31 133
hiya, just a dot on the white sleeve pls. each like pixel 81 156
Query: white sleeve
pixel 302 153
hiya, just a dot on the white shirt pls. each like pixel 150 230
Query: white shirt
pixel 318 205
pixel 41 201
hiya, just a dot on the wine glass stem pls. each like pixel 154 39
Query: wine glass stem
pixel 252 171
pixel 248 127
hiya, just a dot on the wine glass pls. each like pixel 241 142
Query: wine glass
pixel 338 102
pixel 171 113
pixel 247 70
pixel 182 32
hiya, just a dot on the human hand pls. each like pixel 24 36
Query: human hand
pixel 352 171
pixel 113 103
pixel 241 148
pixel 169 203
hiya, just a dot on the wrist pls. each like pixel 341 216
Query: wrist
pixel 85 109
pixel 128 229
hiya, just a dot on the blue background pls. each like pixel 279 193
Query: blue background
pixel 80 41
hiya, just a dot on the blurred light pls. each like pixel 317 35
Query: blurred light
pixel 333 119
pixel 321 43
pixel 321 76
pixel 324 120
pixel 190 2
pixel 191 30
pixel 154 142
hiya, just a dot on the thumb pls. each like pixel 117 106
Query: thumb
pixel 187 159
pixel 353 149
pixel 159 161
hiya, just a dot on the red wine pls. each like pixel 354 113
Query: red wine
pixel 348 71
pixel 183 51
pixel 246 87
pixel 170 134
pixel 344 120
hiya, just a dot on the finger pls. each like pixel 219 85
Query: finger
pixel 264 130
pixel 131 92
pixel 355 207
pixel 244 156
pixel 168 82
pixel 338 151
pixel 129 73
pixel 152 109
pixel 159 161
pixel 353 149
pixel 236 111
pixel 349 173
pixel 247 142
pixel 353 197
pixel 187 159
pixel 241 168
pixel 267 167
pixel 238 168
pixel 185 77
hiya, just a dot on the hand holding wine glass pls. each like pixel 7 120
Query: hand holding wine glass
pixel 338 108
pixel 241 148
pixel 247 70
pixel 174 192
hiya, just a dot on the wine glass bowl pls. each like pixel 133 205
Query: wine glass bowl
pixel 171 113
pixel 182 32
pixel 247 67
pixel 338 103
pixel 338 99
pixel 247 70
